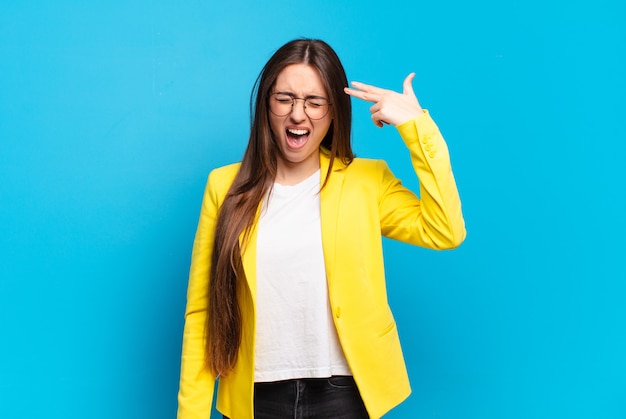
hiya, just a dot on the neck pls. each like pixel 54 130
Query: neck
pixel 290 173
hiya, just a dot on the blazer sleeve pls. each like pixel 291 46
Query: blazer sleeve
pixel 434 220
pixel 197 384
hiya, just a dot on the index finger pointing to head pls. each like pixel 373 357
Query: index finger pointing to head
pixel 367 87
pixel 363 95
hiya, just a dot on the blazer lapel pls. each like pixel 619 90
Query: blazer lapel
pixel 330 198
pixel 248 255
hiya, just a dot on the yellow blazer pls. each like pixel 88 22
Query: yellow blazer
pixel 360 203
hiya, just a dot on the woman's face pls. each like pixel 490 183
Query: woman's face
pixel 297 135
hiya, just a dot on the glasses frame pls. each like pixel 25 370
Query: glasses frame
pixel 293 104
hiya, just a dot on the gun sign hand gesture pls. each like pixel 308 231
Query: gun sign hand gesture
pixel 389 107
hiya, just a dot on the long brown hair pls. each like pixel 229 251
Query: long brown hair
pixel 254 179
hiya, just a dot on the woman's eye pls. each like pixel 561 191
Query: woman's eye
pixel 283 100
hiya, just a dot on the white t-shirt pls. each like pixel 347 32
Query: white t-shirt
pixel 295 333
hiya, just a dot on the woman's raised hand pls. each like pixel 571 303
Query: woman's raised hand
pixel 388 107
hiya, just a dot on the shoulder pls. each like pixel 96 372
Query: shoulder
pixel 225 172
pixel 366 174
pixel 221 178
pixel 366 167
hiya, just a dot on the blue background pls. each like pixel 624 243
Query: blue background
pixel 113 113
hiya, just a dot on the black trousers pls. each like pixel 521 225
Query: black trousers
pixel 309 398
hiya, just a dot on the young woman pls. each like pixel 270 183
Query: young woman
pixel 287 303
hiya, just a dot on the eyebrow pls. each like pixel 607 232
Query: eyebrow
pixel 306 97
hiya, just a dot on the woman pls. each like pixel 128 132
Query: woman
pixel 287 303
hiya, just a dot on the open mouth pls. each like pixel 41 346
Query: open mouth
pixel 297 138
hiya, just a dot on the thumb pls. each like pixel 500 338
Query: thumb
pixel 407 86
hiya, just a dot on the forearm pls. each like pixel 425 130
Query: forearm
pixel 440 203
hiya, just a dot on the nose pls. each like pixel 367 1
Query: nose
pixel 297 110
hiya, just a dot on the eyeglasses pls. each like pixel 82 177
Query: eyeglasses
pixel 315 107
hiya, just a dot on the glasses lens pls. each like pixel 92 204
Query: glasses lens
pixel 280 104
pixel 316 108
